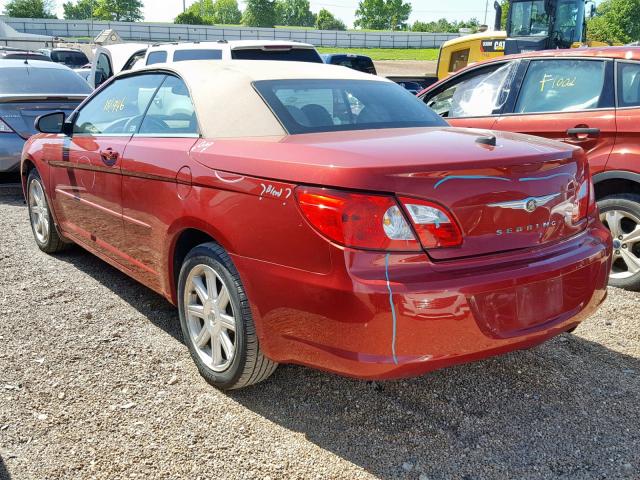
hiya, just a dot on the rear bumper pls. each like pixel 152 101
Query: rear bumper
pixel 427 315
pixel 10 150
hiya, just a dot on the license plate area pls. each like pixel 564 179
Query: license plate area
pixel 532 306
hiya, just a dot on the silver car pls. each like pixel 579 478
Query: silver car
pixel 28 89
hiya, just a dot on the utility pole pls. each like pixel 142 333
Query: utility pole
pixel 184 5
pixel 486 11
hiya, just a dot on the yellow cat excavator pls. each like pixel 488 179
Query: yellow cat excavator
pixel 531 25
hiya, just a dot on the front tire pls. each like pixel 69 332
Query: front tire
pixel 216 320
pixel 42 224
pixel 621 215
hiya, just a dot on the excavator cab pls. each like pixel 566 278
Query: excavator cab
pixel 534 25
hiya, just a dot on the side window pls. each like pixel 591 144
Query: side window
pixel 157 57
pixel 478 94
pixel 103 69
pixel 459 60
pixel 562 86
pixel 171 112
pixel 135 61
pixel 196 54
pixel 118 109
pixel 628 85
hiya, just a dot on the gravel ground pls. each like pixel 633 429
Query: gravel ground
pixel 95 383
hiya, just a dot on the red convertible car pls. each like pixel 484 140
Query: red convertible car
pixel 316 215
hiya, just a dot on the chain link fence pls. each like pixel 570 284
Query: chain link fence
pixel 166 32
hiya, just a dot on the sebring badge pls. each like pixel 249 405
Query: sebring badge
pixel 528 204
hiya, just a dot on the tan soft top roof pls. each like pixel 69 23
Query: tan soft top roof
pixel 225 101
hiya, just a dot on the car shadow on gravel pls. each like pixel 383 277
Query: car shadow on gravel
pixel 147 302
pixel 4 473
pixel 569 408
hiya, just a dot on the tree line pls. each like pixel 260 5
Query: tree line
pixel 259 13
pixel 118 10
pixel 616 21
pixel 371 14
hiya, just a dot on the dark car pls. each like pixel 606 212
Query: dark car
pixel 29 89
pixel 71 57
pixel 361 63
pixel 585 97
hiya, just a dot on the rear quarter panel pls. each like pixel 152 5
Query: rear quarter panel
pixel 251 217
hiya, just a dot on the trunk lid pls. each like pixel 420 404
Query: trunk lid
pixel 510 196
pixel 20 112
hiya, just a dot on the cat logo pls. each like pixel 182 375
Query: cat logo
pixel 492 46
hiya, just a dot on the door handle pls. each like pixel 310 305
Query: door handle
pixel 109 156
pixel 581 133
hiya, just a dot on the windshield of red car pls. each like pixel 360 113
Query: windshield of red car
pixel 309 106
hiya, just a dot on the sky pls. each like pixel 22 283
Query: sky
pixel 424 10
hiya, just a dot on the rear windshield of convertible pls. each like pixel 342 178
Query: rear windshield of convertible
pixel 310 106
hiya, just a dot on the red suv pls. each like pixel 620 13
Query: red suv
pixel 585 97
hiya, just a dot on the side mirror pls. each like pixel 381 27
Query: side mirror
pixel 99 78
pixel 51 122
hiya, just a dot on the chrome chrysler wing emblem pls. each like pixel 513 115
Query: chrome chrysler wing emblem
pixel 528 204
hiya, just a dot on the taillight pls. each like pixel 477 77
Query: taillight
pixel 377 222
pixel 357 220
pixel 433 225
pixel 4 128
pixel 585 201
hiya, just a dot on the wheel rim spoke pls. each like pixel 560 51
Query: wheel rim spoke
pixel 633 237
pixel 613 219
pixel 201 289
pixel 210 283
pixel 223 298
pixel 196 311
pixel 631 261
pixel 227 322
pixel 216 349
pixel 203 337
pixel 45 224
pixel 227 344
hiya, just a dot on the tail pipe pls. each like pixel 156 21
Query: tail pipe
pixel 498 23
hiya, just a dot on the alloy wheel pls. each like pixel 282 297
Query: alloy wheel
pixel 210 316
pixel 625 229
pixel 39 211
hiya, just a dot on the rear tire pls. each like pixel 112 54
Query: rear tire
pixel 43 227
pixel 216 320
pixel 621 215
